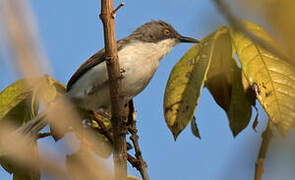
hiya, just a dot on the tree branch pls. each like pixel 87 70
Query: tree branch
pixel 43 135
pixel 135 162
pixel 266 137
pixel 142 166
pixel 32 127
pixel 118 118
pixel 114 11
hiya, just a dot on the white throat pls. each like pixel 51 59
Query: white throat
pixel 151 51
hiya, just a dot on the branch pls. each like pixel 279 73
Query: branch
pixel 43 135
pixel 235 23
pixel 32 127
pixel 117 103
pixel 104 131
pixel 114 11
pixel 142 166
pixel 266 136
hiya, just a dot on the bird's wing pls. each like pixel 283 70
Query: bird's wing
pixel 94 60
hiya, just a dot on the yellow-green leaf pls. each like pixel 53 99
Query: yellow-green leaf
pixel 225 84
pixel 240 110
pixel 186 82
pixel 14 97
pixel 220 74
pixel 273 77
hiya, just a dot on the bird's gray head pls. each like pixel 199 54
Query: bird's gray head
pixel 155 31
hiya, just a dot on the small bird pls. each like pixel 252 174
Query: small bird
pixel 139 56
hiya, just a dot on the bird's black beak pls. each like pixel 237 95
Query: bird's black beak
pixel 188 39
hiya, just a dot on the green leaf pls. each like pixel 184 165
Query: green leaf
pixel 225 84
pixel 19 103
pixel 273 78
pixel 186 82
pixel 13 101
pixel 220 74
pixel 240 110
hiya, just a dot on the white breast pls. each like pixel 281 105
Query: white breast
pixel 138 61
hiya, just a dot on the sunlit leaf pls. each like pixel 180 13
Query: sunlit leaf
pixel 274 78
pixel 186 82
pixel 280 16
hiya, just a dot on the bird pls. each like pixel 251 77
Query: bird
pixel 139 56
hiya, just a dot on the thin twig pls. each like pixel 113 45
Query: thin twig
pixel 114 11
pixel 142 166
pixel 266 137
pixel 43 135
pixel 104 131
pixel 32 127
pixel 236 24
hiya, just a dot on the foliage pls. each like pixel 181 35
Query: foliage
pixel 212 63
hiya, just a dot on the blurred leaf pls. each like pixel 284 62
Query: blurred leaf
pixel 82 164
pixel 16 105
pixel 240 110
pixel 194 128
pixel 186 82
pixel 21 172
pixel 19 103
pixel 280 15
pixel 13 101
pixel 49 89
pixel 132 178
pixel 273 77
pixel 102 137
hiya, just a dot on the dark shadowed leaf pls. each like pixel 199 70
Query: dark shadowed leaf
pixel 255 123
pixel 220 74
pixel 240 109
pixel 194 128
pixel 273 78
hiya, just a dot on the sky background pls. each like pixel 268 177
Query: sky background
pixel 71 32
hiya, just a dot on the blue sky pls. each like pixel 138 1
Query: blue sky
pixel 71 32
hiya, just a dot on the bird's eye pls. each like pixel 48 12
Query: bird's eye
pixel 166 32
